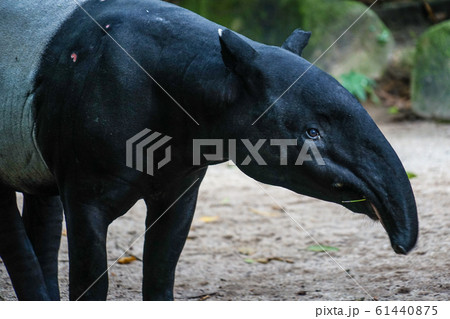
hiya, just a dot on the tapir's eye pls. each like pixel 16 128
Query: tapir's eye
pixel 313 133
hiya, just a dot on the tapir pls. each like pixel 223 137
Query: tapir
pixel 78 79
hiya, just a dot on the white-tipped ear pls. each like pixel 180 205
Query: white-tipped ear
pixel 237 54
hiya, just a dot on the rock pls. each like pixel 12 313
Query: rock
pixel 268 21
pixel 365 48
pixel 430 85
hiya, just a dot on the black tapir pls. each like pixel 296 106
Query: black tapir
pixel 77 83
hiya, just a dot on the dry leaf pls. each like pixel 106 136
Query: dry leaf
pixel 247 251
pixel 276 207
pixel 284 260
pixel 267 260
pixel 204 298
pixel 263 260
pixel 209 219
pixel 127 260
pixel 265 214
pixel 64 232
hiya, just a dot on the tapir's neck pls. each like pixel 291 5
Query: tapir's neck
pixel 208 90
pixel 209 87
pixel 189 63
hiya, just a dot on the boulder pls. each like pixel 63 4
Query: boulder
pixel 430 85
pixel 364 49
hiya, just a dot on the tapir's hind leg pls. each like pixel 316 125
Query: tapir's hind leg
pixel 17 252
pixel 167 235
pixel 42 217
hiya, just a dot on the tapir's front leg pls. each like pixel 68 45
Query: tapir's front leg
pixel 42 216
pixel 17 252
pixel 167 235
pixel 89 209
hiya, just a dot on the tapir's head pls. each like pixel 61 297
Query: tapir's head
pixel 345 158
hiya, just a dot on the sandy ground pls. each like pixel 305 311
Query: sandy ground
pixel 221 257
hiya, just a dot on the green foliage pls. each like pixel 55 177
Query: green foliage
pixel 354 201
pixel 268 21
pixel 359 85
pixel 411 175
pixel 364 49
pixel 322 248
pixel 394 110
pixel 384 36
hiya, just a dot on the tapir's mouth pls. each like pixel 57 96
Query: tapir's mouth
pixel 377 214
pixel 398 248
pixel 369 207
pixel 363 206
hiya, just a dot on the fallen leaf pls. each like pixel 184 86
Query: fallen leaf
pixel 246 251
pixel 223 202
pixel 209 219
pixel 322 248
pixel 276 207
pixel 411 175
pixel 230 164
pixel 263 260
pixel 393 110
pixel 285 260
pixel 265 214
pixel 64 232
pixel 126 260
pixel 204 298
pixel 249 261
pixel 269 259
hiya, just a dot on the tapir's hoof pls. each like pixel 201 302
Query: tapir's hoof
pixel 399 249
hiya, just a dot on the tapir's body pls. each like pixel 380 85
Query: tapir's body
pixel 90 79
pixel 23 40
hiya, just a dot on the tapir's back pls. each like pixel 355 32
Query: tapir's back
pixel 26 26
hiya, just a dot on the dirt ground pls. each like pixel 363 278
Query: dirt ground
pixel 227 256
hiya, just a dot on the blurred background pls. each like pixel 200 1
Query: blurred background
pixel 396 56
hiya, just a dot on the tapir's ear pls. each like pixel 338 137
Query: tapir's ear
pixel 237 54
pixel 297 41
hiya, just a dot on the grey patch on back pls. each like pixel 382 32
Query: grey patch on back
pixel 26 27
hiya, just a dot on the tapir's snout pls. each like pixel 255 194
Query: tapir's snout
pixel 381 180
pixel 401 223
